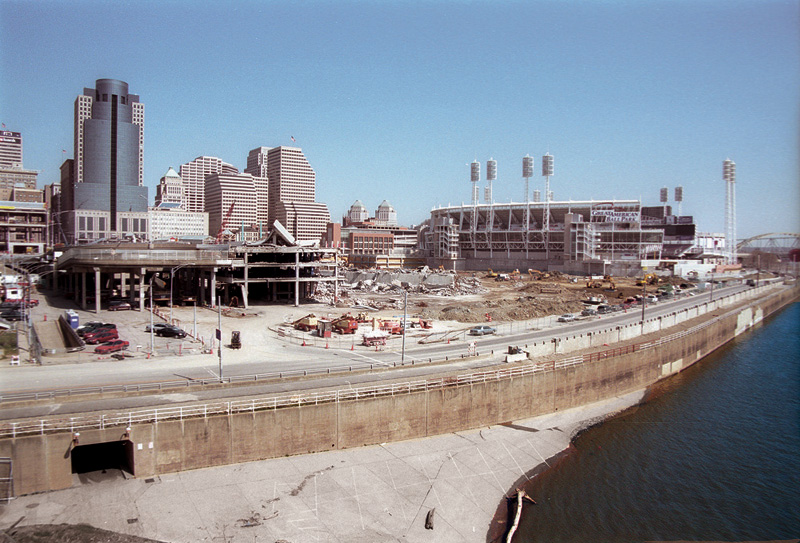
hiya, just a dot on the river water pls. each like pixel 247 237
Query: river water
pixel 714 454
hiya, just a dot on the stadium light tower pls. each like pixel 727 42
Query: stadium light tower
pixel 475 177
pixel 547 171
pixel 679 199
pixel 729 176
pixel 527 173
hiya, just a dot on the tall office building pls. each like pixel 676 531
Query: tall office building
pixel 231 202
pixel 291 178
pixel 194 175
pixel 12 174
pixel 292 193
pixel 107 179
pixel 10 149
pixel 257 167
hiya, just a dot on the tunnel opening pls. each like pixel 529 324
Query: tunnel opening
pixel 103 458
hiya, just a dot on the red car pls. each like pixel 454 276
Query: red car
pixel 101 336
pixel 119 305
pixel 112 346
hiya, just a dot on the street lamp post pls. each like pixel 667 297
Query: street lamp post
pixel 405 326
pixel 152 339
pixel 171 280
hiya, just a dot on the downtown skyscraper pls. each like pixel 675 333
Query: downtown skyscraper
pixel 105 191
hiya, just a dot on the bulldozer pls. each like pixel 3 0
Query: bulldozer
pixel 492 274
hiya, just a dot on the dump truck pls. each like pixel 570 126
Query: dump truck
pixel 307 323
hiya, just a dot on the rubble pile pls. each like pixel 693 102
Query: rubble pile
pixel 424 281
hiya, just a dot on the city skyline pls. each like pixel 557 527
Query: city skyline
pixel 393 101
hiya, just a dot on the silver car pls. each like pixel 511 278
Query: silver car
pixel 482 330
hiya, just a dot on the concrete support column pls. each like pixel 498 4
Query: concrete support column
pixel 227 289
pixel 142 274
pixel 245 286
pixel 132 283
pixel 83 290
pixel 122 284
pixel 213 287
pixel 97 279
pixel 296 279
pixel 201 287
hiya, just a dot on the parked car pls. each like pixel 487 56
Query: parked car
pixel 603 309
pixel 101 336
pixel 652 299
pixel 118 305
pixel 12 315
pixel 589 311
pixel 94 326
pixel 112 346
pixel 156 327
pixel 170 331
pixel 567 317
pixel 482 330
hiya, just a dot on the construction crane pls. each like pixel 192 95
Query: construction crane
pixel 224 222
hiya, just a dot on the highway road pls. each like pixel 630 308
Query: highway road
pixel 293 359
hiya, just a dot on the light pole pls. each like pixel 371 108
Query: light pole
pixel 152 339
pixel 171 280
pixel 405 326
pixel 152 332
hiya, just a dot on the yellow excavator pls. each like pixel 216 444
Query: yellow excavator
pixel 648 279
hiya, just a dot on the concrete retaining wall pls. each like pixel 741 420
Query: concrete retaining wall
pixel 42 462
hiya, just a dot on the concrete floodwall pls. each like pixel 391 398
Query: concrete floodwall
pixel 183 438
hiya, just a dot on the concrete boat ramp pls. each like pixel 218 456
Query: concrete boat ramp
pixel 369 494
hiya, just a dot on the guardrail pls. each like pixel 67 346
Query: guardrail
pixel 102 421
pixel 319 342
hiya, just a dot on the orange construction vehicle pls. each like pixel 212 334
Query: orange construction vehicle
pixel 393 327
pixel 307 323
pixel 345 324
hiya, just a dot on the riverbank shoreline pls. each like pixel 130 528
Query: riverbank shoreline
pixel 374 493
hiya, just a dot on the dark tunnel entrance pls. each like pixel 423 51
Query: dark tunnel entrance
pixel 114 455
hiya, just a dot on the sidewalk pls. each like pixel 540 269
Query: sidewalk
pixel 369 494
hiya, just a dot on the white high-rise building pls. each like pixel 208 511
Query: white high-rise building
pixel 194 180
pixel 10 149
pixel 291 178
pixel 231 202
pixel 257 167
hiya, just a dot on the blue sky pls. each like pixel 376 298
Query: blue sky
pixel 392 100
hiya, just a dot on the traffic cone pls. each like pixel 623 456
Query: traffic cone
pixel 352 346
pixel 326 344
pixel 304 343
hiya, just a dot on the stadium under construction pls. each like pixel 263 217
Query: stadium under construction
pixel 580 237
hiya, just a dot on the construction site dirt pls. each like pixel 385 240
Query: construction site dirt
pixel 480 296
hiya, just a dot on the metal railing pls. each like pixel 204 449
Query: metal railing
pixel 103 421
